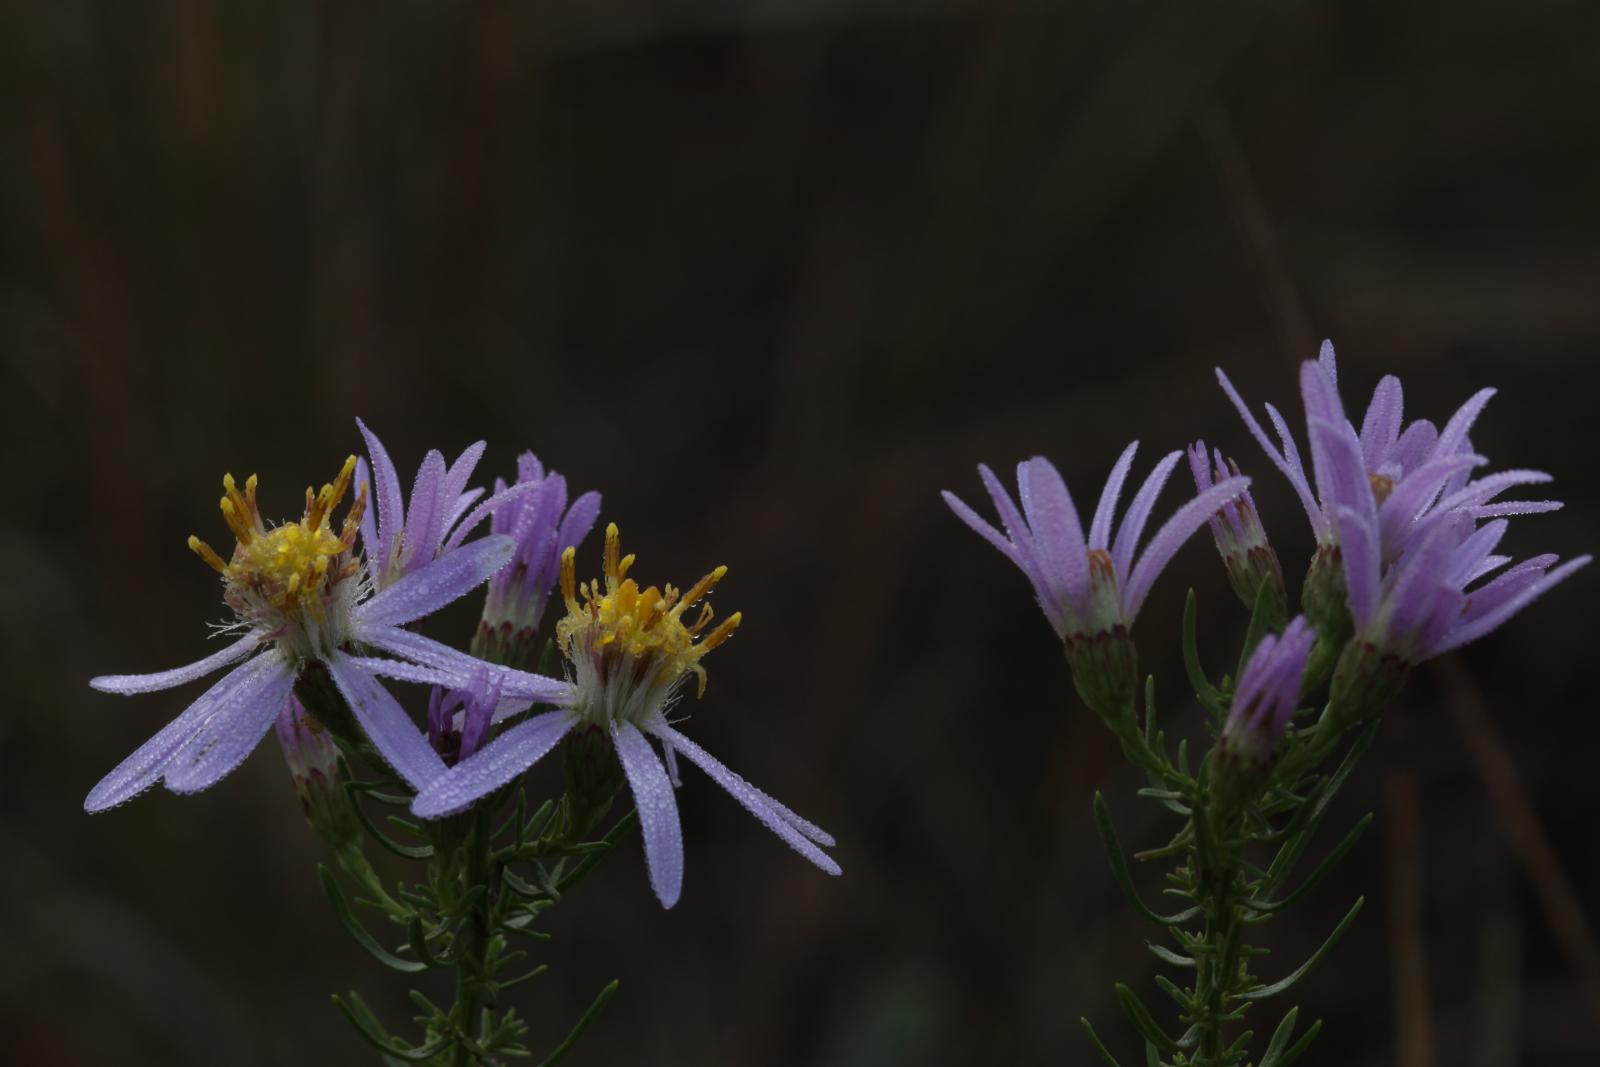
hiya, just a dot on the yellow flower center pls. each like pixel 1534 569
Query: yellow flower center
pixel 630 645
pixel 289 571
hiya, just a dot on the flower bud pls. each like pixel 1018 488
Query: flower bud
pixel 1240 538
pixel 1325 597
pixel 313 761
pixel 459 719
pixel 1105 671
pixel 1263 703
pixel 589 760
pixel 1364 680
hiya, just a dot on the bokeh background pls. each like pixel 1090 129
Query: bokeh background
pixel 770 275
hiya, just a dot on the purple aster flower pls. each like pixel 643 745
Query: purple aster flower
pixel 629 651
pixel 1266 696
pixel 1434 599
pixel 399 540
pixel 1091 584
pixel 298 592
pixel 542 525
pixel 1388 472
pixel 1236 529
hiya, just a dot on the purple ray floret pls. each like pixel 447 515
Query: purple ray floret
pixel 1090 584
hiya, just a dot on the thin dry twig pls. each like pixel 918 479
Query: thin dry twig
pixel 1523 832
pixel 1413 1008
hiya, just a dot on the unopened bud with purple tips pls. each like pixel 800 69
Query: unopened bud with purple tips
pixel 1252 565
pixel 313 761
pixel 459 719
pixel 1263 703
pixel 543 526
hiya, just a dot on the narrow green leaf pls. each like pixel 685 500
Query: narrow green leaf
pixel 1098 1044
pixel 1280 1040
pixel 1265 991
pixel 367 1026
pixel 1265 618
pixel 1140 1016
pixel 410 852
pixel 582 1024
pixel 353 925
pixel 1203 689
pixel 1166 955
pixel 1119 867
pixel 1328 863
pixel 1301 1045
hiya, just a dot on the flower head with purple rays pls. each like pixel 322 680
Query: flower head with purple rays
pixel 399 539
pixel 1266 696
pixel 629 651
pixel 1390 473
pixel 1430 601
pixel 542 525
pixel 1092 584
pixel 298 592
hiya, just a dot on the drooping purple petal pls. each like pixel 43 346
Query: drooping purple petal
pixel 491 767
pixel 128 684
pixel 232 733
pixel 1319 391
pixel 1171 536
pixel 1477 624
pixel 1380 429
pixel 980 526
pixel 1057 530
pixel 658 810
pixel 1105 511
pixel 142 769
pixel 795 832
pixel 1471 553
pixel 406 672
pixel 1359 553
pixel 1417 576
pixel 1133 523
pixel 1416 444
pixel 385 722
pixel 1414 493
pixel 463 502
pixel 441 582
pixel 391 512
pixel 1295 472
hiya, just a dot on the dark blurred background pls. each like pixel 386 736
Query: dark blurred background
pixel 770 275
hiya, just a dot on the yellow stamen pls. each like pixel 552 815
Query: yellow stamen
pixel 207 553
pixel 723 631
pixel 569 577
pixel 613 549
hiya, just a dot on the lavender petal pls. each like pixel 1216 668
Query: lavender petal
pixel 658 811
pixel 1171 536
pixel 232 733
pixel 1105 510
pixel 1133 523
pixel 385 722
pixel 391 512
pixel 441 582
pixel 491 767
pixel 128 684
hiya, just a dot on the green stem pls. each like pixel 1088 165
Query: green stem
pixel 473 963
pixel 1218 876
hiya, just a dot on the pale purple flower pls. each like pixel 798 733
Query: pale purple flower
pixel 1090 584
pixel 399 539
pixel 1390 473
pixel 629 651
pixel 1431 600
pixel 299 594
pixel 1266 696
pixel 542 526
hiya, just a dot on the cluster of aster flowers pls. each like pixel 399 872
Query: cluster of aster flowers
pixel 311 602
pixel 1406 522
